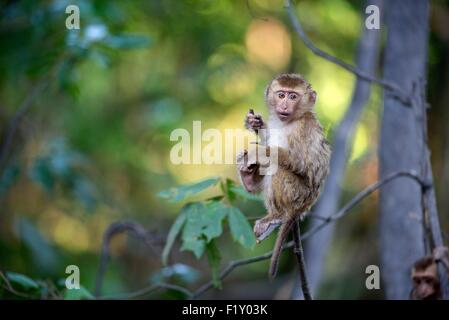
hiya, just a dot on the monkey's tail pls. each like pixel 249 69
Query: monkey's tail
pixel 282 235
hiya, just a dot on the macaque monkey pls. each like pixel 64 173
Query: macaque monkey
pixel 302 152
pixel 426 285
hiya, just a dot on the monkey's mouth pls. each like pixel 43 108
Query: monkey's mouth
pixel 283 115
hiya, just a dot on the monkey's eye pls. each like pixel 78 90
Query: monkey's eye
pixel 281 95
pixel 292 96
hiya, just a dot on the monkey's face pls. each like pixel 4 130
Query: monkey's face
pixel 425 287
pixel 425 282
pixel 289 102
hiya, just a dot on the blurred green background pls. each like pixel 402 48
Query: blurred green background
pixel 92 146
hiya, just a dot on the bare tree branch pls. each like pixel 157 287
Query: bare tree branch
pixel 7 286
pixel 390 86
pixel 430 213
pixel 147 290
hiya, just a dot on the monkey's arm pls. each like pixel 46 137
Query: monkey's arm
pixel 248 171
pixel 285 158
pixel 441 254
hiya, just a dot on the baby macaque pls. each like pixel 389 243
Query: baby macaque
pixel 303 153
pixel 426 285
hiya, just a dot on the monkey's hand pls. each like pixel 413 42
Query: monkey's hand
pixel 258 153
pixel 254 122
pixel 249 173
pixel 441 254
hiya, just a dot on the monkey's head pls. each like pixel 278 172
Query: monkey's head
pixel 288 96
pixel 426 284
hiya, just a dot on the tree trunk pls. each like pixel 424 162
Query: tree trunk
pixel 403 147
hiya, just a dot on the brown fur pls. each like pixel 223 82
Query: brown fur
pixel 303 162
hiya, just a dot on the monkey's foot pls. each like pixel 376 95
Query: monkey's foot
pixel 263 228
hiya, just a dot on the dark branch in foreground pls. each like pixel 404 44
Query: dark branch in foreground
pixel 343 211
pixel 299 252
pixel 392 87
pixel 147 290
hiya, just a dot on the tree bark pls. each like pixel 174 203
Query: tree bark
pixel 403 147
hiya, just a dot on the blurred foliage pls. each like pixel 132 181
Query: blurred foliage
pixel 93 145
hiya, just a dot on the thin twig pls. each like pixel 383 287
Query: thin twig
pixel 339 214
pixel 8 287
pixel 392 87
pixel 147 290
pixel 299 252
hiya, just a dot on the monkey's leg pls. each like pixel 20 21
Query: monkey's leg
pixel 299 252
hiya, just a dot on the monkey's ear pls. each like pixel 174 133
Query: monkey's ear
pixel 312 96
pixel 267 91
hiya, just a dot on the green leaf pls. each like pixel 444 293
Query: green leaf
pixel 194 244
pixel 214 258
pixel 244 194
pixel 78 294
pixel 212 219
pixel 23 281
pixel 202 225
pixel 180 193
pixel 192 238
pixel 172 234
pixel 226 188
pixel 240 228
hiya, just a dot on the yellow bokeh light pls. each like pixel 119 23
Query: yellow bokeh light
pixel 268 42
pixel 231 82
pixel 233 120
pixel 71 234
pixel 334 88
pixel 360 143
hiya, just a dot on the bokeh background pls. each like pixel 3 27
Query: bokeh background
pixel 92 145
